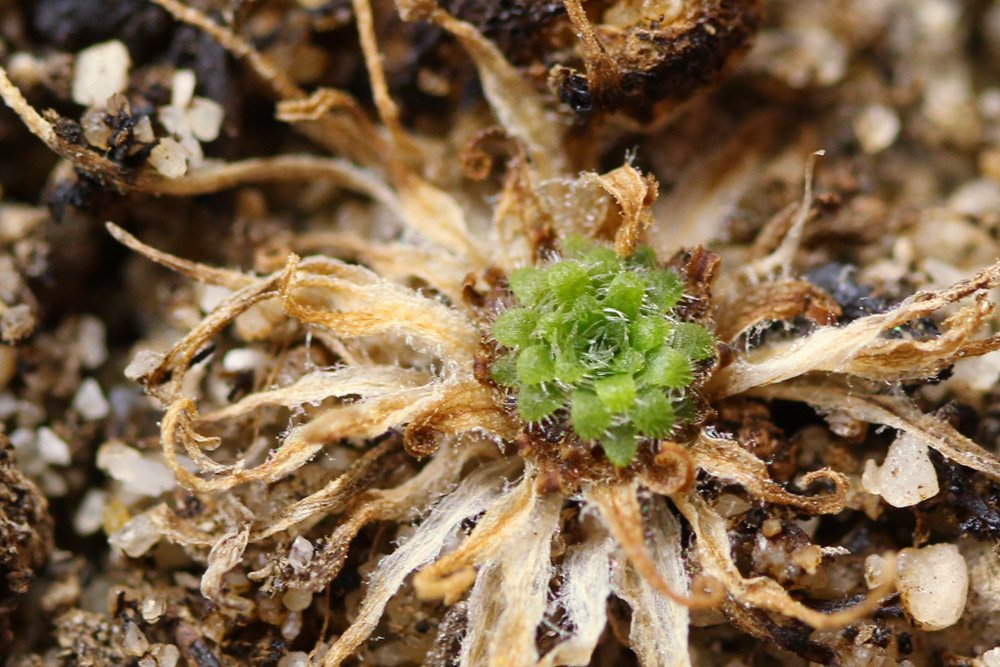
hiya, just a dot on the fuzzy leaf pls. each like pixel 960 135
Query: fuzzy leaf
pixel 647 333
pixel 643 256
pixel 625 294
pixel 666 288
pixel 693 340
pixel 590 418
pixel 513 328
pixel 568 281
pixel 628 361
pixel 617 392
pixel 527 284
pixel 504 370
pixel 535 365
pixel 653 414
pixel 620 445
pixel 537 402
pixel 667 367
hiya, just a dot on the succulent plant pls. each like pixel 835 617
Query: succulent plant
pixel 597 336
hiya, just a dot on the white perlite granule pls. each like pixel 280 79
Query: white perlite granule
pixel 89 400
pixel 52 448
pixel 907 475
pixel 139 474
pixel 876 127
pixel 933 585
pixel 101 71
pixel 168 158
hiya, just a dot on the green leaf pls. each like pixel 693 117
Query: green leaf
pixel 653 414
pixel 643 256
pixel 568 281
pixel 647 333
pixel 527 284
pixel 575 246
pixel 628 361
pixel 620 445
pixel 504 370
pixel 602 261
pixel 685 411
pixel 535 365
pixel 586 314
pixel 667 367
pixel 513 328
pixel 666 288
pixel 693 340
pixel 625 294
pixel 617 392
pixel 589 416
pixel 553 326
pixel 538 402
pixel 569 368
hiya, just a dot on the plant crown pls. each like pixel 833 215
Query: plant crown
pixel 596 336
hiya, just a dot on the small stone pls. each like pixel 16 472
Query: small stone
pixel 89 515
pixel 89 401
pixel 143 130
pixel 182 88
pixel 17 322
pixel 52 448
pixel 169 158
pixel 933 585
pixel 136 537
pixel 294 659
pixel 142 364
pixel 874 570
pixel 292 626
pixel 92 341
pixel 296 599
pixel 906 477
pixel 101 71
pixel 95 130
pixel 152 609
pixel 770 527
pixel 139 474
pixel 992 657
pixel 212 296
pixel 205 118
pixel 876 127
pixel 167 655
pixel 134 642
pixel 300 555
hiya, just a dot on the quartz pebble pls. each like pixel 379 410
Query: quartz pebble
pixel 296 599
pixel 134 642
pixel 992 657
pixel 294 659
pixel 152 609
pixel 142 364
pixel 101 71
pixel 300 554
pixel 136 537
pixel 52 448
pixel 876 127
pixel 933 585
pixel 167 655
pixel 92 344
pixel 907 475
pixel 89 400
pixel 89 515
pixel 169 158
pixel 138 473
